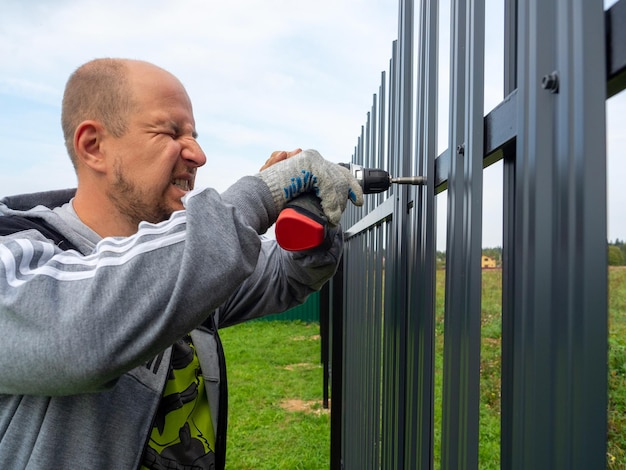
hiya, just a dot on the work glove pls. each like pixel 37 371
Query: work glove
pixel 309 172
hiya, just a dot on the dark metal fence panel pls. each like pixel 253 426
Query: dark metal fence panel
pixel 361 400
pixel 550 132
pixel 365 258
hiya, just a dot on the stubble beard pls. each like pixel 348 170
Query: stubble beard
pixel 134 204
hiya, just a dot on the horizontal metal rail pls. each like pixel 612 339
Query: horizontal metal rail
pixel 500 123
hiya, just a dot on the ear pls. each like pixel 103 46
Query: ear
pixel 88 139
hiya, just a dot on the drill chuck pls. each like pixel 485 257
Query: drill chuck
pixel 374 180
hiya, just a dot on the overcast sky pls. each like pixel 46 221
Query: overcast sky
pixel 262 74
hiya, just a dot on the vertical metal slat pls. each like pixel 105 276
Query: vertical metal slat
pixel 461 378
pixel 421 318
pixel 559 298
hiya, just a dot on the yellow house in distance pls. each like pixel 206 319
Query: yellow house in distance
pixel 487 262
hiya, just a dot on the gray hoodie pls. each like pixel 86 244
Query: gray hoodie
pixel 86 334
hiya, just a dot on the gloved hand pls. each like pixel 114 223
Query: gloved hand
pixel 309 172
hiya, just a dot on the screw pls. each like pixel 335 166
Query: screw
pixel 550 82
pixel 461 149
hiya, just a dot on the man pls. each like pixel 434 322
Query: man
pixel 110 298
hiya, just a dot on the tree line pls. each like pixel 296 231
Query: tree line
pixel 617 253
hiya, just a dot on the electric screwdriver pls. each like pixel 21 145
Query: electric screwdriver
pixel 301 225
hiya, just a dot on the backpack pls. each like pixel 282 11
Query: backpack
pixel 11 224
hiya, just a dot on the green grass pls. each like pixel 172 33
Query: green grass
pixel 276 419
pixel 491 326
pixel 617 369
pixel 272 362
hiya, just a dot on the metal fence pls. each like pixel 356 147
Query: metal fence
pixel 562 60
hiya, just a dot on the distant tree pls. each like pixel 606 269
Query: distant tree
pixel 440 259
pixel 622 247
pixel 616 258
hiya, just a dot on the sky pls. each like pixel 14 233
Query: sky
pixel 263 75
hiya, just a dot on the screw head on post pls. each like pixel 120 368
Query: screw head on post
pixel 550 82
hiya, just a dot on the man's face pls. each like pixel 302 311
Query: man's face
pixel 155 161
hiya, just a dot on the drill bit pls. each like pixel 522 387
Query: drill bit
pixel 415 180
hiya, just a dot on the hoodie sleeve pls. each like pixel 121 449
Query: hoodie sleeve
pixel 281 280
pixel 74 323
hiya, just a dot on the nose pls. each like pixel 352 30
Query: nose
pixel 193 154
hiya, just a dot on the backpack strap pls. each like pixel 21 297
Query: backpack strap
pixel 49 199
pixel 11 224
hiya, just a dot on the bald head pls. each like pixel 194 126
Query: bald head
pixel 100 90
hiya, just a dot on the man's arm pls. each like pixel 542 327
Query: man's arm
pixel 281 280
pixel 74 323
pixel 284 279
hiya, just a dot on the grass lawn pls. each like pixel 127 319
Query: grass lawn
pixel 275 378
pixel 617 369
pixel 276 420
